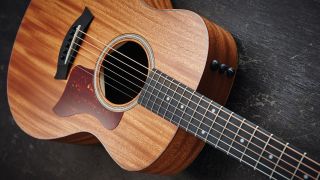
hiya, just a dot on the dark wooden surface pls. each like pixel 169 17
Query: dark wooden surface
pixel 277 87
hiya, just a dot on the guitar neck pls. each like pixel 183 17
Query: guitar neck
pixel 225 130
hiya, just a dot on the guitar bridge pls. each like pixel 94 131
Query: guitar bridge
pixel 71 44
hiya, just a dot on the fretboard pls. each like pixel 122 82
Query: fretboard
pixel 225 130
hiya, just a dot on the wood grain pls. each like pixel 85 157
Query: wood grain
pixel 185 147
pixel 180 42
pixel 159 4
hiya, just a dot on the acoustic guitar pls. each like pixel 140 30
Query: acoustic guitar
pixel 134 76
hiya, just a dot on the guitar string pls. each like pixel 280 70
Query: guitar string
pixel 196 112
pixel 105 82
pixel 198 96
pixel 264 150
pixel 212 127
pixel 229 145
pixel 111 62
pixel 220 132
pixel 241 160
pixel 206 101
pixel 206 117
pixel 111 70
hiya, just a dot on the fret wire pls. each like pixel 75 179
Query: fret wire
pixel 238 143
pixel 259 138
pixel 218 147
pixel 291 156
pixel 283 144
pixel 201 121
pixel 241 160
pixel 230 122
pixel 175 92
pixel 238 157
pixel 183 113
pixel 211 127
pixel 253 152
pixel 190 101
pixel 151 93
pixel 277 150
pixel 147 85
pixel 200 114
pixel 261 154
pixel 236 134
pixel 275 166
pixel 299 153
pixel 184 90
pixel 246 147
pixel 194 111
pixel 147 91
pixel 168 96
pixel 156 81
pixel 162 100
pixel 297 167
pixel 249 142
pixel 223 129
pixel 318 177
pixel 278 142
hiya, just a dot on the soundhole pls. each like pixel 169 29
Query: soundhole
pixel 123 73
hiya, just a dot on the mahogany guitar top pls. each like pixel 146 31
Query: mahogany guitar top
pixel 182 44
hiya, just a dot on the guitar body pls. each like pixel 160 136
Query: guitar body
pixel 183 44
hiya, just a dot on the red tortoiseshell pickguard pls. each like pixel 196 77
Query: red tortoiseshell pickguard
pixel 79 97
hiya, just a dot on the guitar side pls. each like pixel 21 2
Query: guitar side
pixel 187 54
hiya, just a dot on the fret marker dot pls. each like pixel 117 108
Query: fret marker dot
pixel 213 110
pixel 181 106
pixel 168 98
pixel 242 140
pixel 305 176
pixel 203 131
pixel 270 156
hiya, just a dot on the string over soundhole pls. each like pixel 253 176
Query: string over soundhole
pixel 121 72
